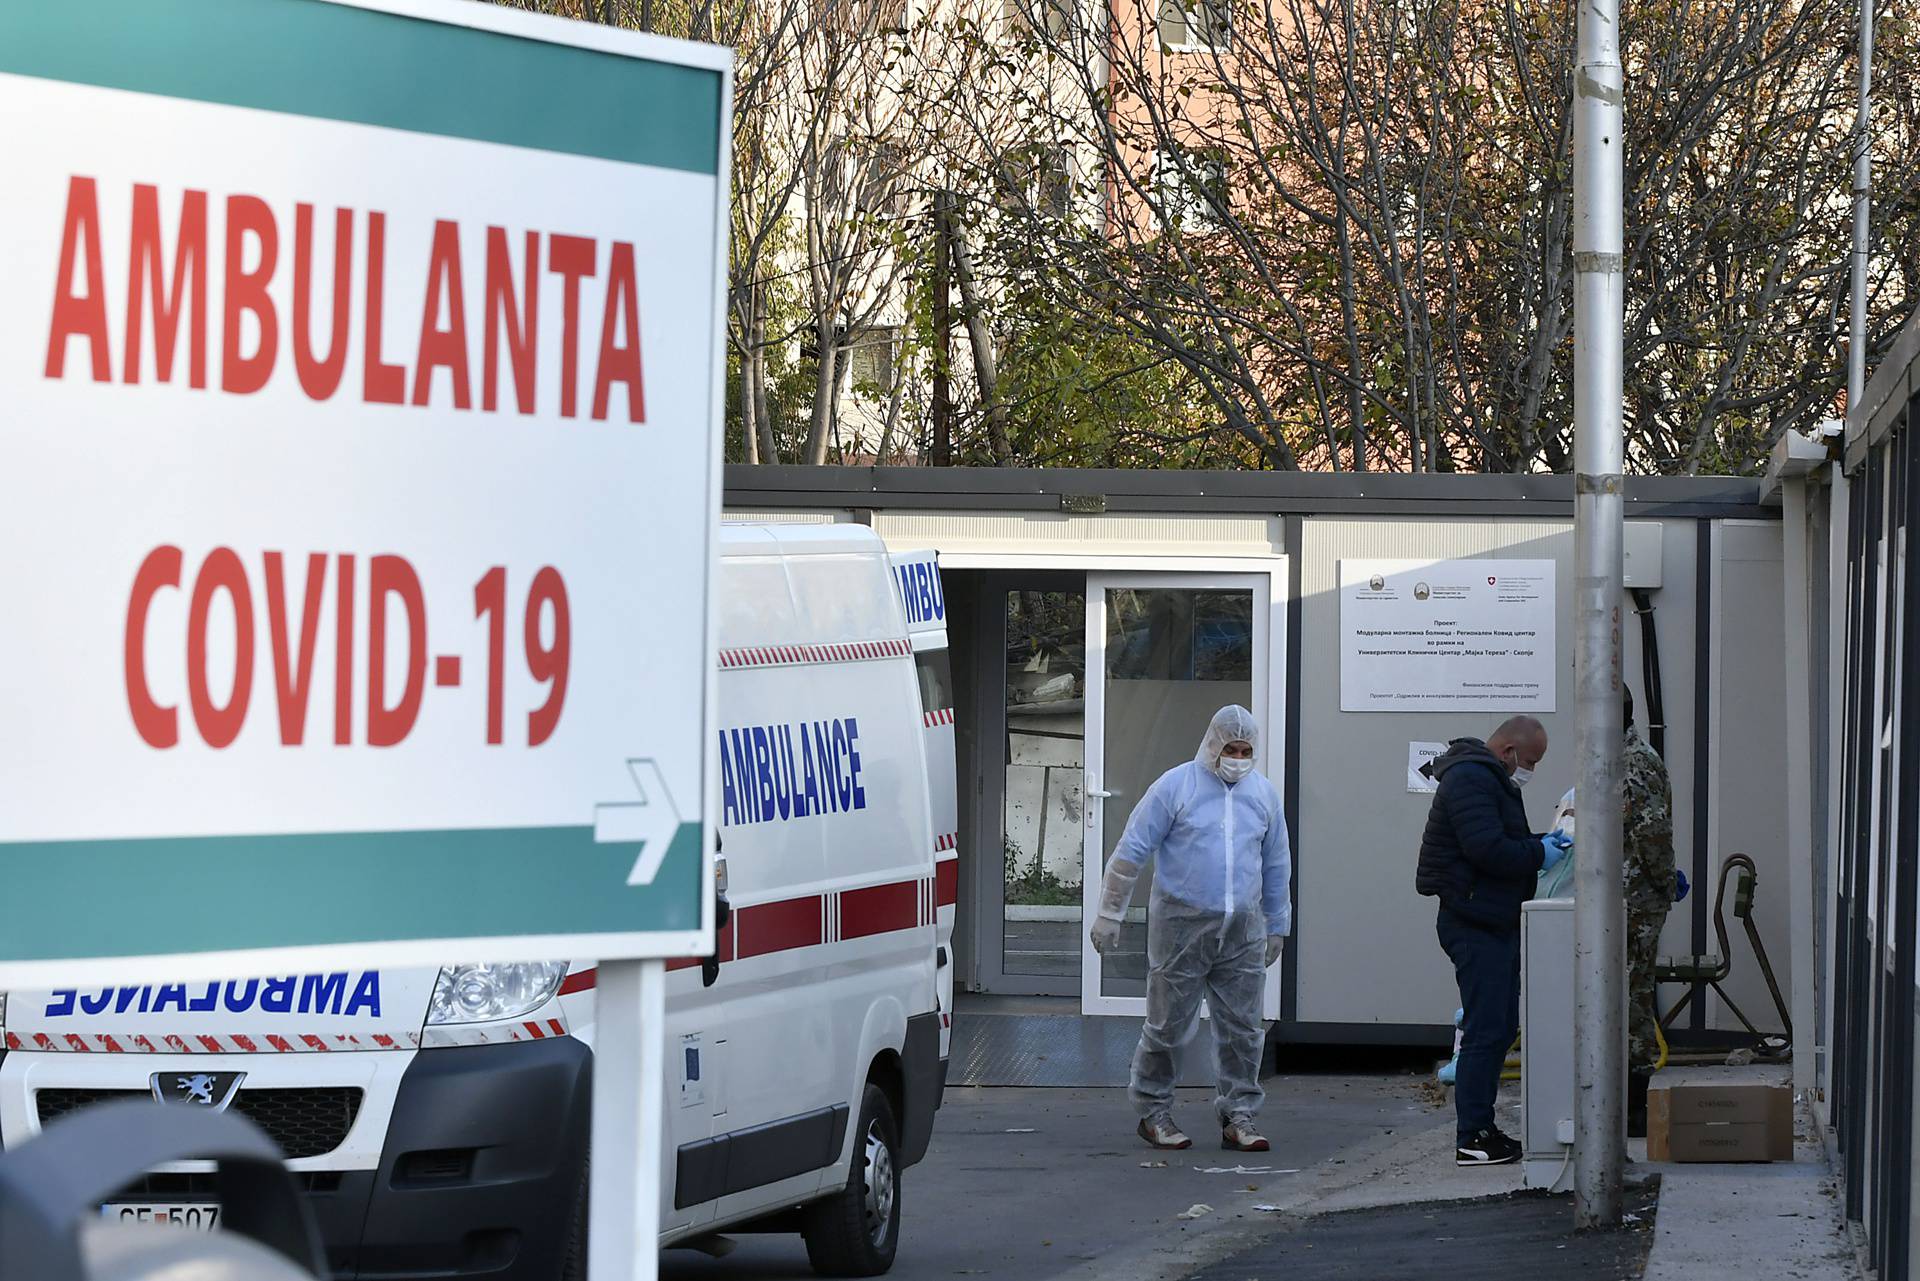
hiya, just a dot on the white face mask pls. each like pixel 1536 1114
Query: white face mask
pixel 1233 769
pixel 1521 775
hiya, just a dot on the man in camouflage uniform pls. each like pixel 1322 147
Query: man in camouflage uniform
pixel 1646 847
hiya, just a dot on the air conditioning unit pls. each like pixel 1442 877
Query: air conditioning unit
pixel 1546 1042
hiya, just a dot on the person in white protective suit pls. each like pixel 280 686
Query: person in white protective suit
pixel 1222 903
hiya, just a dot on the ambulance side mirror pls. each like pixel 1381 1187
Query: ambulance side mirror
pixel 722 913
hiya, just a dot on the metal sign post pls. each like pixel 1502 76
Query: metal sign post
pixel 629 1100
pixel 1862 221
pixel 1599 458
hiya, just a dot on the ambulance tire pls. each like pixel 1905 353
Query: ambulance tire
pixel 856 1232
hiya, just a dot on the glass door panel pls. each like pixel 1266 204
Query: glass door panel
pixel 1168 651
pixel 1045 760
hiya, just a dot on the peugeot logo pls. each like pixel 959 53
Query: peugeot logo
pixel 197 1089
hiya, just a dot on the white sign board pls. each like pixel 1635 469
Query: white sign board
pixel 357 475
pixel 1447 636
pixel 1418 756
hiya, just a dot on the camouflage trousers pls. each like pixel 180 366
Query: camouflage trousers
pixel 1643 1014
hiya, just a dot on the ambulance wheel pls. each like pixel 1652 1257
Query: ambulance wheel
pixel 855 1232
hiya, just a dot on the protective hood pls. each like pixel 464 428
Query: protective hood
pixel 1231 724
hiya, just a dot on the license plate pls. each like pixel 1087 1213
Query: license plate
pixel 200 1218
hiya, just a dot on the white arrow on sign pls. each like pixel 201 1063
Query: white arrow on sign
pixel 652 820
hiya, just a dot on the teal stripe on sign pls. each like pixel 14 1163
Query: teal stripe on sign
pixel 208 894
pixel 340 63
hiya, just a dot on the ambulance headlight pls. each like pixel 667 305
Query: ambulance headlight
pixel 484 993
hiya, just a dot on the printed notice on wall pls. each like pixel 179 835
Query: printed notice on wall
pixel 1452 636
pixel 1419 756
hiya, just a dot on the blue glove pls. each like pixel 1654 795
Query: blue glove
pixel 1680 886
pixel 1556 845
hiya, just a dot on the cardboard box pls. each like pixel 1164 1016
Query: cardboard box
pixel 1720 1143
pixel 1720 1115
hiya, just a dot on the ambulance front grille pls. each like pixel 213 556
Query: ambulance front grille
pixel 308 1121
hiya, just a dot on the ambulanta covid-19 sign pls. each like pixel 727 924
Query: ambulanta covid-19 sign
pixel 357 467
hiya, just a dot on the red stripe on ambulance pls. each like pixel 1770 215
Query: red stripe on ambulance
pixel 878 909
pixel 778 927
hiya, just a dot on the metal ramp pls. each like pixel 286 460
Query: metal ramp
pixel 1046 1041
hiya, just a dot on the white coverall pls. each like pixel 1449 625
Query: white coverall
pixel 1222 886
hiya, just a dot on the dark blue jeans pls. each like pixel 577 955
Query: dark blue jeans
pixel 1486 964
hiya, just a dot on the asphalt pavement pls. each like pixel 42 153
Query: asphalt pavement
pixel 1036 1183
pixel 1510 1236
pixel 1052 1184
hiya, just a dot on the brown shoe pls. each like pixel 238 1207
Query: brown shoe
pixel 1161 1132
pixel 1238 1135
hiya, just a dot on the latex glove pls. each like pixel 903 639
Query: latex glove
pixel 1105 933
pixel 1556 846
pixel 1273 948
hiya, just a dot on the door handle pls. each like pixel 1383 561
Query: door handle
pixel 1099 794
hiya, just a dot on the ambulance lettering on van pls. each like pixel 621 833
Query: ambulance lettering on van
pixel 918 578
pixel 338 993
pixel 440 1115
pixel 764 777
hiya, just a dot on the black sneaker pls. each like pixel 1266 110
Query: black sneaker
pixel 1489 1147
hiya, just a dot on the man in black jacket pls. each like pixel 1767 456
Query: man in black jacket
pixel 1479 858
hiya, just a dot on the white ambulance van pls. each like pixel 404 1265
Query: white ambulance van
pixel 439 1120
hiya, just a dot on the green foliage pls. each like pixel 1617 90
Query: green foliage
pixel 1033 885
pixel 1083 395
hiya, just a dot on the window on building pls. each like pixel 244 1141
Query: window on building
pixel 871 356
pixel 882 174
pixel 1050 18
pixel 862 17
pixel 1053 184
pixel 1194 24
pixel 1191 187
pixel 1041 181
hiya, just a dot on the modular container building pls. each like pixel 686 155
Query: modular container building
pixel 1099 617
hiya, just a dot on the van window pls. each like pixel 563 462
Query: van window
pixel 936 679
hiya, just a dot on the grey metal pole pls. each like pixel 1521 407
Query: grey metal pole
pixel 1599 1043
pixel 1862 214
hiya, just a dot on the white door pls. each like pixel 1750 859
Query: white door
pixel 1169 649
